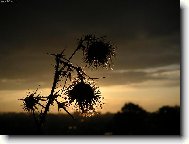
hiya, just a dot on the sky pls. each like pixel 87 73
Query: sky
pixel 146 34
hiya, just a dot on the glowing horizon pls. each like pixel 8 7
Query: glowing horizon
pixel 149 98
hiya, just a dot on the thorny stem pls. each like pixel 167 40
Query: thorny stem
pixel 78 47
pixel 50 97
pixel 65 83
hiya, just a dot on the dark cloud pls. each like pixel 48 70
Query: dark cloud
pixel 31 19
pixel 170 75
pixel 146 51
pixel 147 34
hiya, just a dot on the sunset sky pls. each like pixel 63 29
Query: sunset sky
pixel 146 34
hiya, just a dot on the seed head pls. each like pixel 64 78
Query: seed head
pixel 97 51
pixel 85 94
pixel 30 102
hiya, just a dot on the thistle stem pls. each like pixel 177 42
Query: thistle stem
pixel 56 79
pixel 50 97
pixel 78 47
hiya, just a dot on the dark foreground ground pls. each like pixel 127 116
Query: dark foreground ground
pixel 131 120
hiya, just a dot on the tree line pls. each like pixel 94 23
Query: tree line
pixel 132 119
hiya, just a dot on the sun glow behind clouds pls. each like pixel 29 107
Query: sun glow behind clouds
pixel 150 94
pixel 147 95
pixel 115 97
pixel 150 98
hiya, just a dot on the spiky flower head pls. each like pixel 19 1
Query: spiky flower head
pixel 85 94
pixel 30 102
pixel 97 51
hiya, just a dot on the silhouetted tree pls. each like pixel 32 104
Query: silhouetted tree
pixel 134 120
pixel 167 120
pixel 131 120
pixel 132 108
pixel 83 92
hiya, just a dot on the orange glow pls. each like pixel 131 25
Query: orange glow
pixel 150 95
pixel 150 98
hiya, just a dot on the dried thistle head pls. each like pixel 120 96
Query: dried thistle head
pixel 85 94
pixel 30 103
pixel 97 51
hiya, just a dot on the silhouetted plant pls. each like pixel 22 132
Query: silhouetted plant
pixel 97 52
pixel 131 120
pixel 134 120
pixel 168 120
pixel 132 108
